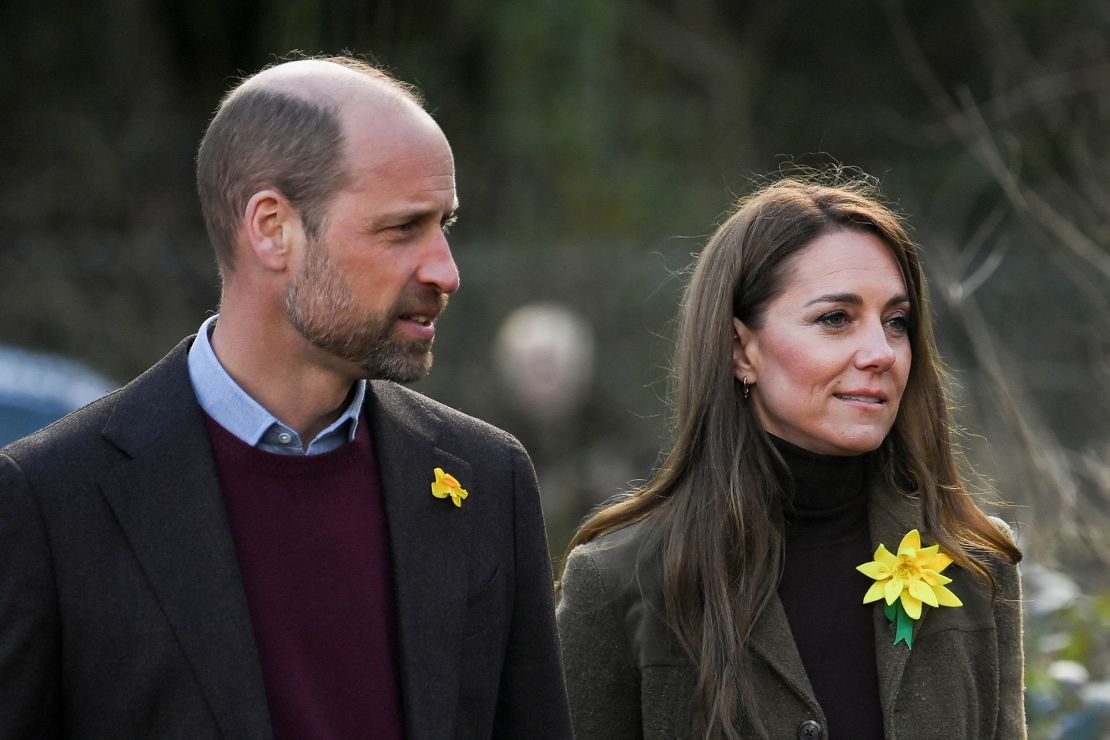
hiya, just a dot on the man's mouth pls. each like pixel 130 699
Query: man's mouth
pixel 424 312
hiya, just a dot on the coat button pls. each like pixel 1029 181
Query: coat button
pixel 810 730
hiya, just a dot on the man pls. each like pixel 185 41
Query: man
pixel 251 540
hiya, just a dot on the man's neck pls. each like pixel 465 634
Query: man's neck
pixel 282 372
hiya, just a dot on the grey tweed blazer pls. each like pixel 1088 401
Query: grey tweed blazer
pixel 627 676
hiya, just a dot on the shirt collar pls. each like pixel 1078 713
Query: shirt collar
pixel 234 409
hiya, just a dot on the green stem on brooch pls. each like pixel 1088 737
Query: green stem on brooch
pixel 903 623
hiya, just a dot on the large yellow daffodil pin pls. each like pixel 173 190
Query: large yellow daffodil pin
pixel 908 580
pixel 447 485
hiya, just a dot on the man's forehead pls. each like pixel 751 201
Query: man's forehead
pixel 379 141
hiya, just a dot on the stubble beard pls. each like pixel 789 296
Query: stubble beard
pixel 321 307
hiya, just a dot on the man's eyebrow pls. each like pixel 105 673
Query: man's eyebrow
pixel 855 300
pixel 409 213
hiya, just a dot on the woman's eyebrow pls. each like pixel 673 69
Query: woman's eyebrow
pixel 855 299
pixel 837 298
pixel 898 300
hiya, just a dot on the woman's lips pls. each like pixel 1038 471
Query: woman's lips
pixel 869 398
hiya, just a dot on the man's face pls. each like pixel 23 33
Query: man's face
pixel 369 289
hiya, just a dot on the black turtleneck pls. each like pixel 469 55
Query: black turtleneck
pixel 827 536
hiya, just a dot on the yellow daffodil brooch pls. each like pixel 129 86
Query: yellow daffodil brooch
pixel 908 580
pixel 446 485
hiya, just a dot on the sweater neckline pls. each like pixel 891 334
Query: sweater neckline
pixel 275 465
pixel 823 484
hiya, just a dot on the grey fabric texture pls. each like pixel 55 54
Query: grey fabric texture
pixel 628 677
pixel 122 613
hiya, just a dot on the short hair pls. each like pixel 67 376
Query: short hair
pixel 260 138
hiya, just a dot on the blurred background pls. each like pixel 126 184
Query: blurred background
pixel 598 143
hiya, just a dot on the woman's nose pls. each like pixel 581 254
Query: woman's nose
pixel 876 351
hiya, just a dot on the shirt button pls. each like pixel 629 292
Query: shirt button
pixel 285 438
pixel 809 730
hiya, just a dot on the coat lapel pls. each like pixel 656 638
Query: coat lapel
pixel 167 500
pixel 428 540
pixel 773 641
pixel 891 515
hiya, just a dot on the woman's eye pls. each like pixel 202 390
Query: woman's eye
pixel 834 319
pixel 899 324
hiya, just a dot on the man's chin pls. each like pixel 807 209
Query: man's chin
pixel 399 368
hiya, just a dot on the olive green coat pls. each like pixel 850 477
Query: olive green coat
pixel 628 677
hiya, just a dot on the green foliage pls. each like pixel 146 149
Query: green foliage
pixel 1068 668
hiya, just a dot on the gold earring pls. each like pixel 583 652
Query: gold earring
pixel 747 390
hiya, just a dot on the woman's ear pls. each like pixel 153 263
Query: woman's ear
pixel 273 229
pixel 745 353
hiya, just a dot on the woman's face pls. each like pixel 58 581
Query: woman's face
pixel 829 364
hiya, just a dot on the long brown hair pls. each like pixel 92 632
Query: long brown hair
pixel 715 502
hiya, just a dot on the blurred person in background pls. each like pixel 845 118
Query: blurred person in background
pixel 264 535
pixel 807 561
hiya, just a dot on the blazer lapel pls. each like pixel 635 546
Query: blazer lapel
pixel 428 540
pixel 891 515
pixel 167 500
pixel 773 641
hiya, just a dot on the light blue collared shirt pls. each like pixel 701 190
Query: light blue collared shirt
pixel 233 409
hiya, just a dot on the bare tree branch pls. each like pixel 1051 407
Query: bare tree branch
pixel 1025 200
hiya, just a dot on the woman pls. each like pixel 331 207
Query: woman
pixel 725 599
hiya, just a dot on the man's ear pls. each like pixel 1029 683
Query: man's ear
pixel 274 232
pixel 745 352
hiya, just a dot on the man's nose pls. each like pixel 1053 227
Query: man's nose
pixel 438 268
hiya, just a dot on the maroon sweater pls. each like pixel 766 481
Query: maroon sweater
pixel 313 551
